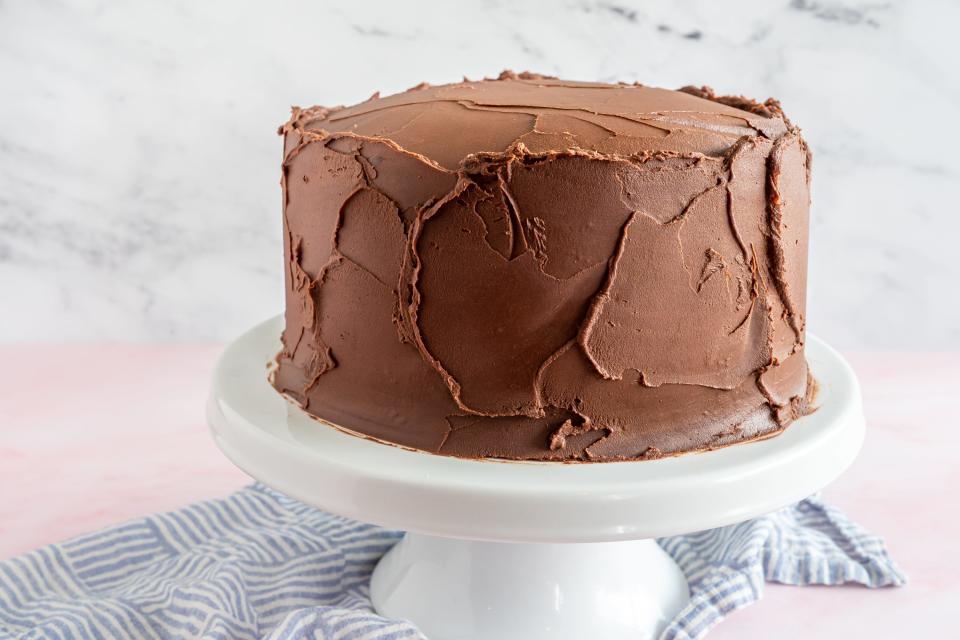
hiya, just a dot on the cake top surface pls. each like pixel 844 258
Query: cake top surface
pixel 444 124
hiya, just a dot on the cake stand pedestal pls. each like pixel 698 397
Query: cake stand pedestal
pixel 526 550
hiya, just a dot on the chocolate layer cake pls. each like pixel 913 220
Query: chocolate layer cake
pixel 531 268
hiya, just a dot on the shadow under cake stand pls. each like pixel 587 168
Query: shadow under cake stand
pixel 499 550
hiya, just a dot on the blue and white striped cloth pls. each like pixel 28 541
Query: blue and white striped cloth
pixel 258 564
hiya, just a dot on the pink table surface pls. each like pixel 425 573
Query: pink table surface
pixel 95 434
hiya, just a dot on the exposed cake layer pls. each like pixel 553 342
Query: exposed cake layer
pixel 539 269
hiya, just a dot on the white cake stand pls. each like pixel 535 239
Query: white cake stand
pixel 491 553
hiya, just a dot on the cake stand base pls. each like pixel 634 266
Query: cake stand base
pixel 502 550
pixel 457 589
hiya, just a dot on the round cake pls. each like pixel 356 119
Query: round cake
pixel 537 269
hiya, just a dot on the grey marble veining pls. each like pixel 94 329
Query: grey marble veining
pixel 139 168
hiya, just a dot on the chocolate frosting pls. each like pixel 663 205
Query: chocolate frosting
pixel 532 268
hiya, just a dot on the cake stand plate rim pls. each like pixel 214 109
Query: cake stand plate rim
pixel 285 448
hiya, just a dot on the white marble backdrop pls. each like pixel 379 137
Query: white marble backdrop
pixel 139 194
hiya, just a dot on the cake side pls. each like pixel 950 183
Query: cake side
pixel 532 268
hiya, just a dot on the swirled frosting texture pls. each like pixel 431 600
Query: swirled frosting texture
pixel 531 268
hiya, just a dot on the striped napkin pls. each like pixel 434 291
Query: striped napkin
pixel 258 564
